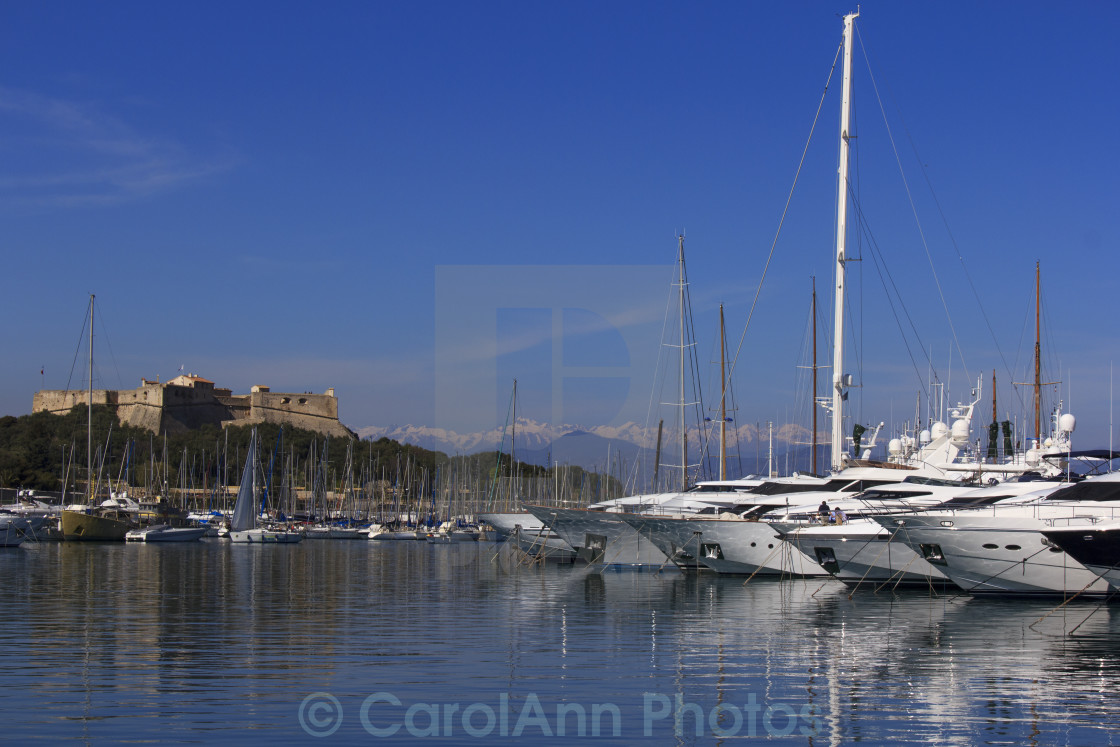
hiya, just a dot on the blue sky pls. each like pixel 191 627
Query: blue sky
pixel 273 193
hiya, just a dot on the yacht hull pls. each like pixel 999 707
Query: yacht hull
pixel 731 546
pixel 82 527
pixel 167 534
pixel 601 538
pixel 531 536
pixel 986 558
pixel 864 553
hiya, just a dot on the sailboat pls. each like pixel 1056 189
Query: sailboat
pixel 243 527
pixel 86 522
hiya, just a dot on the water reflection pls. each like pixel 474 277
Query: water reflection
pixel 208 640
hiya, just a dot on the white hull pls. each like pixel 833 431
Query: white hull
pixel 334 533
pixel 601 537
pixel 862 553
pixel 264 537
pixel 730 546
pixel 385 534
pixel 999 554
pixel 531 536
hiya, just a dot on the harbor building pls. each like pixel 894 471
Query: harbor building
pixel 188 402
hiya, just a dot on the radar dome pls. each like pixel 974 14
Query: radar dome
pixel 1066 423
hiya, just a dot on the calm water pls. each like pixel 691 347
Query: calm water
pixel 355 640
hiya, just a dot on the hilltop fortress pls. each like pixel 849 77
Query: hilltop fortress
pixel 189 402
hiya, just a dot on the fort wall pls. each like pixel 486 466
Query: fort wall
pixel 188 402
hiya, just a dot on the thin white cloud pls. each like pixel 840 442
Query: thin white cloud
pixel 107 160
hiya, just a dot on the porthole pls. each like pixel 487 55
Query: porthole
pixel 1013 547
pixel 990 546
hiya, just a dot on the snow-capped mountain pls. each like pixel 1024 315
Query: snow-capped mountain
pixel 586 446
pixel 529 436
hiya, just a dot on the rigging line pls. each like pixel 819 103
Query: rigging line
pixel 914 210
pixel 1019 351
pixel 785 211
pixel 78 348
pixel 948 230
pixel 654 394
pixel 109 345
pixel 698 392
pixel 880 266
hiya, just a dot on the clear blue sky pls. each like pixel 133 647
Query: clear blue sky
pixel 292 194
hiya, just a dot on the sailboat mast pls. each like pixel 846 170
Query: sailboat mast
pixel 722 402
pixel 680 298
pixel 841 237
pixel 1037 354
pixel 89 407
pixel 813 396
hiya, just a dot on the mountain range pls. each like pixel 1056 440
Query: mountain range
pixel 589 447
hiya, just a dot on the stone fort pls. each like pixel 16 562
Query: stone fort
pixel 188 402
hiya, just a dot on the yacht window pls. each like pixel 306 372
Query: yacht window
pixel 919 480
pixel 1090 490
pixel 893 495
pixel 981 500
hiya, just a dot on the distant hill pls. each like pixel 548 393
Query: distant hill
pixel 538 443
pixel 584 449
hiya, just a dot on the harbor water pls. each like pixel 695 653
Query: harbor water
pixel 402 642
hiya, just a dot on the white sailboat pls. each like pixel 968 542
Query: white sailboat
pixel 243 527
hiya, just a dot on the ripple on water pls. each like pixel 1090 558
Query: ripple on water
pixel 208 640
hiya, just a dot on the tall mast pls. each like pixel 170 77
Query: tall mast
pixel 841 235
pixel 513 447
pixel 813 397
pixel 722 403
pixel 89 407
pixel 680 299
pixel 1037 353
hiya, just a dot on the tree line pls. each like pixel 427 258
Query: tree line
pixel 36 450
